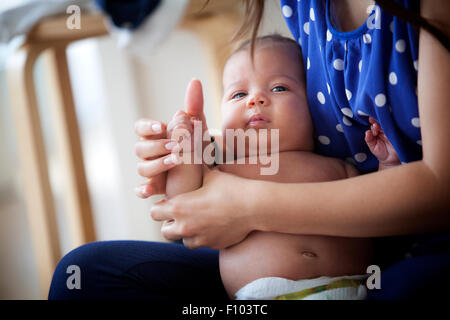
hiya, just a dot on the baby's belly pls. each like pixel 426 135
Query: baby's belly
pixel 269 254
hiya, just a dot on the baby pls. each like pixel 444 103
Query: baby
pixel 270 94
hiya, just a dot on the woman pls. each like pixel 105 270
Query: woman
pixel 410 201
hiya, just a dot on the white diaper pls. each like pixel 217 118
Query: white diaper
pixel 323 288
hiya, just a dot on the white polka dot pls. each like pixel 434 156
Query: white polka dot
pixel 345 46
pixel 415 122
pixel 308 64
pixel 360 65
pixel 419 142
pixel 380 100
pixel 370 8
pixel 367 38
pixel 339 128
pixel 416 65
pixel 329 35
pixel 306 28
pixel 338 64
pixel 328 88
pixel 393 78
pixel 312 16
pixel 400 46
pixel 287 11
pixel 300 41
pixel 346 121
pixel 324 140
pixel 360 157
pixel 362 113
pixel 391 26
pixel 321 97
pixel 349 94
pixel 348 112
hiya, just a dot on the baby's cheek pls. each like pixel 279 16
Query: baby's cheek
pixel 231 120
pixel 294 129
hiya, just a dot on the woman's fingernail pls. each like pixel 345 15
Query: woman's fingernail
pixel 156 127
pixel 170 159
pixel 145 191
pixel 170 145
pixel 144 126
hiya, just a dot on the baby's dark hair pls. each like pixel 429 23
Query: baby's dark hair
pixel 274 38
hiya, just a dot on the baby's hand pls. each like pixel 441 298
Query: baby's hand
pixel 380 146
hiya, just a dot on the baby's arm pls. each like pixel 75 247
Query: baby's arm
pixel 186 176
pixel 380 146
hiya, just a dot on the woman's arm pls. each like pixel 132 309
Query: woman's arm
pixel 407 199
pixel 411 198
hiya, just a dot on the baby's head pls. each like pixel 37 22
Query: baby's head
pixel 270 93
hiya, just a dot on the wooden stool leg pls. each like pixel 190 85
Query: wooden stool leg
pixel 33 161
pixel 78 204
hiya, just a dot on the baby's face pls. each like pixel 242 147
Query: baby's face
pixel 271 95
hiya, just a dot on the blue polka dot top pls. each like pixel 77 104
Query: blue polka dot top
pixel 371 71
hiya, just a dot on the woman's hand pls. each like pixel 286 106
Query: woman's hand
pixel 215 216
pixel 154 148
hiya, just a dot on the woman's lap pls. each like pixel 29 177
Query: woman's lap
pixel 422 277
pixel 167 271
pixel 423 273
pixel 140 270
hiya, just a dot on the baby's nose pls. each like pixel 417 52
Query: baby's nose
pixel 259 100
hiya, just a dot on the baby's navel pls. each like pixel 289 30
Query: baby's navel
pixel 309 254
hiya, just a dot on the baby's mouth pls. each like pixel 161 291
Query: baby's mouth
pixel 258 120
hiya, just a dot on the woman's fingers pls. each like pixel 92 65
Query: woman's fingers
pixel 168 211
pixel 146 149
pixel 156 185
pixel 162 211
pixel 150 168
pixel 168 230
pixel 144 190
pixel 148 128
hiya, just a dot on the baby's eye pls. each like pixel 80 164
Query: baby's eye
pixel 279 88
pixel 238 95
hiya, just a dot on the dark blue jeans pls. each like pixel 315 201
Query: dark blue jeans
pixel 168 271
pixel 140 270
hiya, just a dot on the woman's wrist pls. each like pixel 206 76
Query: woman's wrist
pixel 259 205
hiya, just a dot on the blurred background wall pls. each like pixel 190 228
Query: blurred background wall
pixel 112 89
